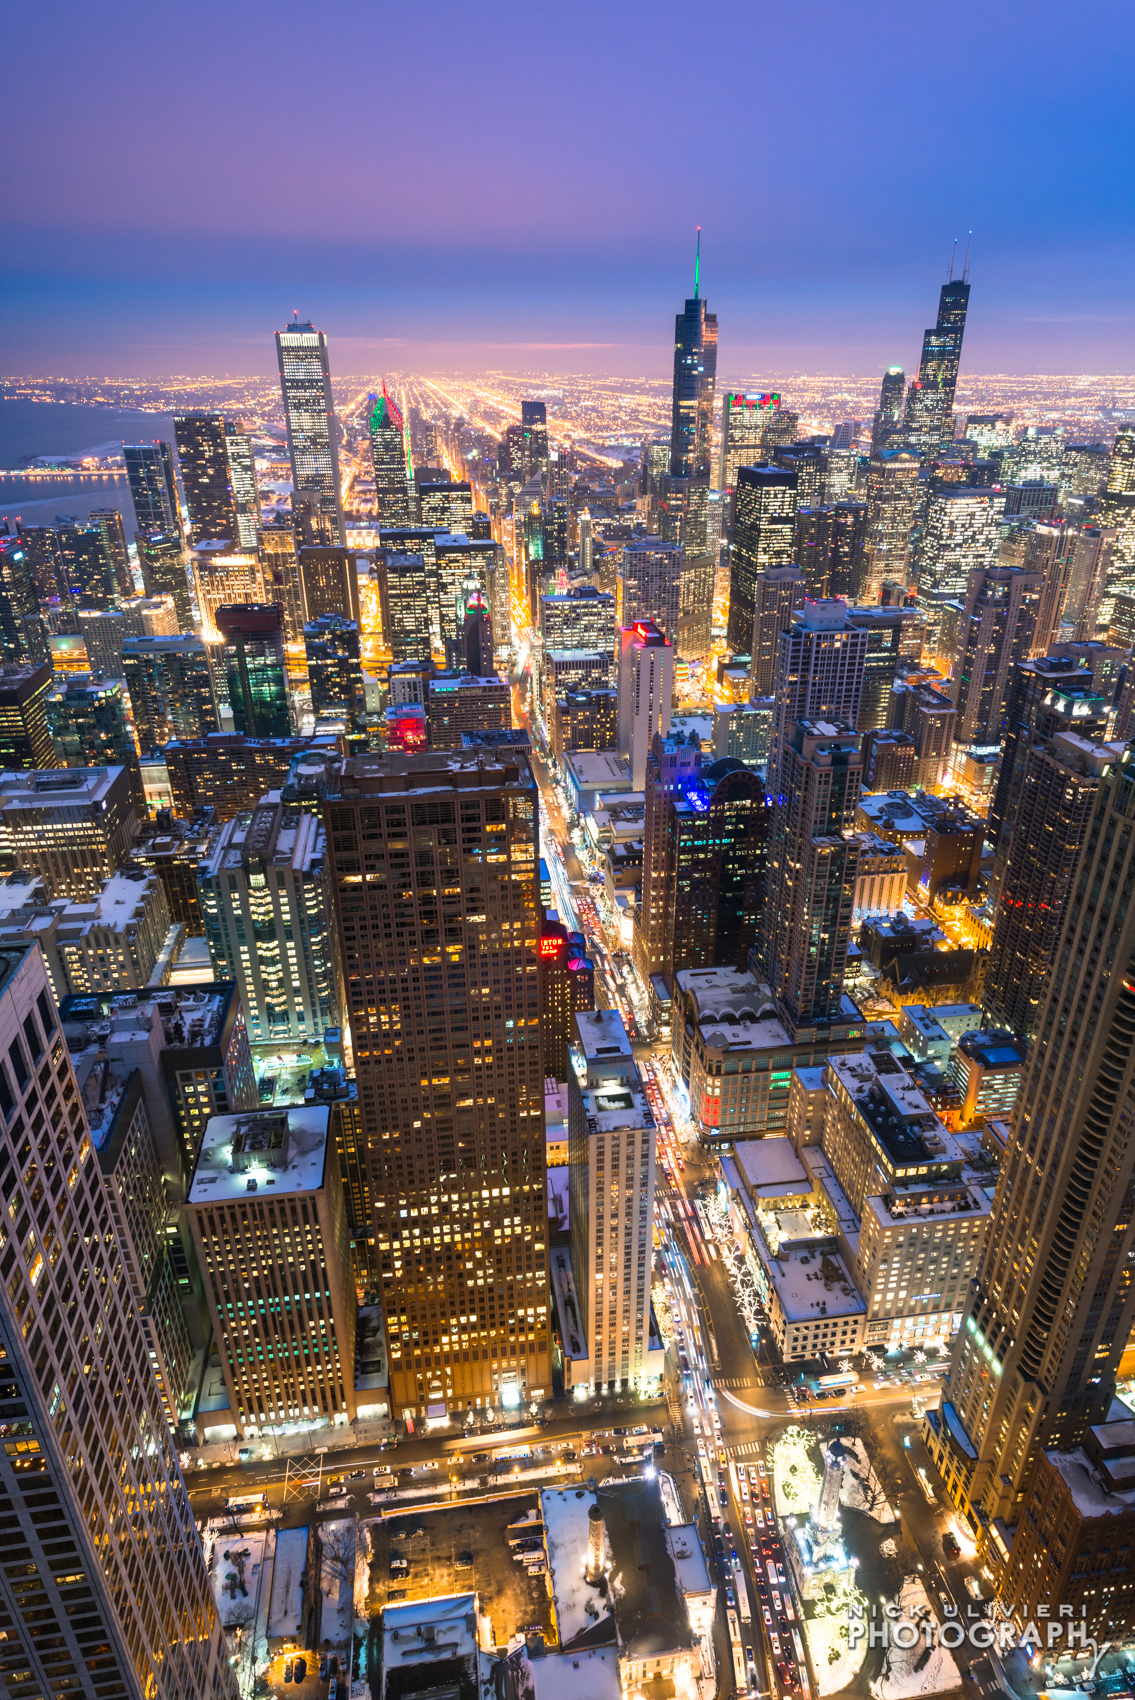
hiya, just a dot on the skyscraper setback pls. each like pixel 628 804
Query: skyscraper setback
pixel 393 480
pixel 313 441
pixel 695 373
pixel 433 864
pixel 930 398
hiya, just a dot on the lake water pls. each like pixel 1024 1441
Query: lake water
pixel 30 428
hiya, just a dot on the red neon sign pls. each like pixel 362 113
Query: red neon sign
pixel 550 945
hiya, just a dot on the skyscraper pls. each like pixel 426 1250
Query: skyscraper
pixel 997 628
pixel 439 952
pixel 313 435
pixel 748 433
pixel 534 428
pixel 109 524
pixel 819 673
pixel 650 584
pixel 930 399
pixel 1053 1303
pixel 84 1612
pixel 777 594
pixel 267 918
pixel 695 373
pixel 646 689
pixel 251 664
pixel 153 489
pixel 246 491
pixel 892 500
pixel 25 739
pixel 672 761
pixel 23 635
pixel 171 688
pixel 203 461
pixel 763 532
pixel 330 579
pixel 716 841
pixel 162 560
pixel 888 416
pixel 407 587
pixel 963 532
pixel 334 670
pixel 390 449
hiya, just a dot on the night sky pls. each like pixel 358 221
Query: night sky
pixel 517 186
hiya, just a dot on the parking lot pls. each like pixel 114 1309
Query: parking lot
pixel 463 1547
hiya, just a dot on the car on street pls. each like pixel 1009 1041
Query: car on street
pixel 300 1670
pixel 767 1615
pixel 950 1544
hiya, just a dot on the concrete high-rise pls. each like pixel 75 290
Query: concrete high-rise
pixel 203 461
pixel 1053 1304
pixel 131 1617
pixel 997 628
pixel 1046 834
pixel 750 430
pixel 646 690
pixel 695 374
pixel 892 502
pixel 245 489
pixel 407 588
pixel 313 434
pixel 153 489
pixel 777 594
pixel 394 493
pixel 650 584
pixel 330 580
pixel 334 670
pixel 819 672
pixel 612 1147
pixel 25 737
pixel 161 558
pixel 763 533
pixel 267 919
pixel 963 533
pixel 73 826
pixel 888 415
pixel 439 952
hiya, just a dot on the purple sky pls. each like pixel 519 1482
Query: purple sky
pixel 517 186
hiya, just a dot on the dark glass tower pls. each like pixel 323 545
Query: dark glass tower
pixel 534 429
pixel 252 662
pixel 695 373
pixel 393 483
pixel 203 461
pixel 888 416
pixel 313 441
pixel 930 400
pixel 153 488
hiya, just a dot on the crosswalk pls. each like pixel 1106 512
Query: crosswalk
pixel 735 1382
pixel 746 1449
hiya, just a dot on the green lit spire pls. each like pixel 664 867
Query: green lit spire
pixel 697 266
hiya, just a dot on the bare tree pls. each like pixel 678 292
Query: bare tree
pixel 337 1546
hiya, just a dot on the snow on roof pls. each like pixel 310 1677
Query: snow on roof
pixel 303 1154
pixel 689 1559
pixel 589 1673
pixel 234 1571
pixel 579 1606
pixel 1089 1495
pixel 558 1206
pixel 771 1167
pixel 811 1283
pixel 286 1608
pixel 451 1622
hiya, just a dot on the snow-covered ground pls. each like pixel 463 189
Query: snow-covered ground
pixel 834 1661
pixel 911 1671
pixel 860 1488
pixel 236 1560
pixel 338 1581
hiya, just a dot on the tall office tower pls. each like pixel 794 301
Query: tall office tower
pixel 446 505
pixel 812 549
pixel 1121 468
pixel 465 564
pixel 716 831
pixel 612 1146
pixel 225 576
pixel 313 434
pixel 510 456
pixel 455 1128
pixel 476 642
pixel 279 560
pixel 330 580
pixel 1117 513
pixel 650 584
pixel 1051 551
pixel 23 635
pixel 395 496
pixel 534 428
pixel 1045 695
pixel 888 414
pixel 407 587
pixel 153 489
pixel 87 573
pixel 1091 548
pixel 585 554
pixel 72 827
pixel 334 670
pixel 171 689
pixel 777 594
pixel 847 573
pixel 1053 1303
pixel 1000 613
pixel 646 691
pixel 251 664
pixel 1045 836
pixel 695 373
pixel 88 725
pixel 567 988
pixel 25 737
pixel 245 489
pixel 172 848
pixel 162 560
pixel 892 502
pixel 963 533
pixel 41 553
pixel 584 720
pixel 460 703
pixel 819 672
pixel 887 642
pixel 578 618
pixel 673 761
pixel 268 1212
pixel 752 427
pixel 809 462
pixel 267 920
pixel 228 772
pixel 203 461
pixel 655 466
pixel 930 399
pixel 927 716
pixel 109 524
pixel 556 529
pixel 812 861
pixel 84 1613
pixel 763 531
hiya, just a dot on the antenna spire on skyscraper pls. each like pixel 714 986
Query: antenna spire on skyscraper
pixel 965 266
pixel 953 257
pixel 697 266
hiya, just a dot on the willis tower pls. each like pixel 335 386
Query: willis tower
pixel 930 398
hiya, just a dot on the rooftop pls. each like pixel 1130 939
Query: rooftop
pixel 191 1016
pixel 1089 1495
pixel 771 1168
pixel 58 787
pixel 895 1108
pixel 285 1150
pixel 599 768
pixel 811 1283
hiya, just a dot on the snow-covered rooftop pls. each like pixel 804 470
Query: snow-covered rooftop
pixel 429 1631
pixel 273 1151
pixel 579 1605
pixel 812 1283
pixel 286 1608
pixel 771 1168
pixel 1089 1495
